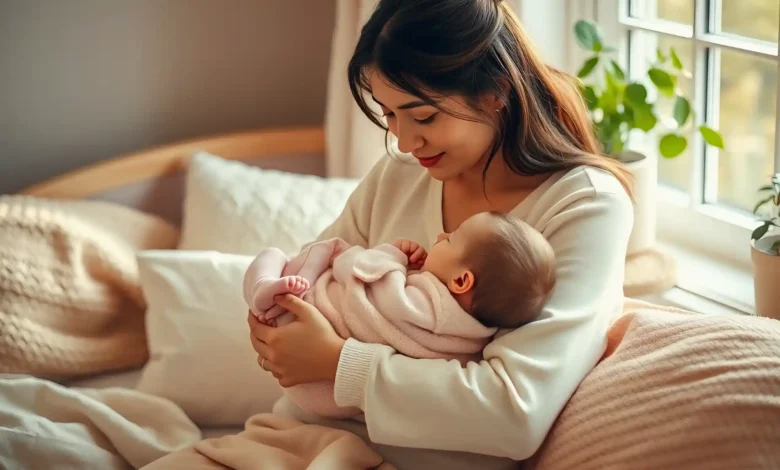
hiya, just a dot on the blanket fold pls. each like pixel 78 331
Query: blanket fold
pixel 71 303
pixel 281 443
pixel 46 425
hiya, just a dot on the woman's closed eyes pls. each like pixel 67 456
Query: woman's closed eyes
pixel 427 120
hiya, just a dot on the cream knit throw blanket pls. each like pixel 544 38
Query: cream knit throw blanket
pixel 70 299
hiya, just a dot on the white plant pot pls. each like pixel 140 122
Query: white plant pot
pixel 643 235
pixel 766 277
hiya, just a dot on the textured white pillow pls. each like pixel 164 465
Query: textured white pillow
pixel 232 207
pixel 200 354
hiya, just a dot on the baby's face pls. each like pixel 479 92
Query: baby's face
pixel 445 258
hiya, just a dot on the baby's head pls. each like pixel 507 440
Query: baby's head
pixel 502 269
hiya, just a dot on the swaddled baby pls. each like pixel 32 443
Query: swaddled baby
pixel 493 272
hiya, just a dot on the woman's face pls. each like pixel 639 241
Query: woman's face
pixel 447 146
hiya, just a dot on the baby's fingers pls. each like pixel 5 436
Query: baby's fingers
pixel 418 254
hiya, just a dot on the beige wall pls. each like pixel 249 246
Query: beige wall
pixel 83 80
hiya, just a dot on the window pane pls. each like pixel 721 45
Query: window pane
pixel 757 19
pixel 748 98
pixel 680 11
pixel 674 172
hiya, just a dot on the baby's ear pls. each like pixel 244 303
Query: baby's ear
pixel 462 283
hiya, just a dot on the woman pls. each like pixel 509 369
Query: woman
pixel 491 127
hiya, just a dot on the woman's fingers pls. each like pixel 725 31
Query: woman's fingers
pixel 258 329
pixel 260 347
pixel 268 366
pixel 300 308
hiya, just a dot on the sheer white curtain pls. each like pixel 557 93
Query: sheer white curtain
pixel 354 143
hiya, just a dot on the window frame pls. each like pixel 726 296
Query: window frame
pixel 681 219
pixel 702 234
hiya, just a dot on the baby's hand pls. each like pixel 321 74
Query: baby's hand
pixel 414 252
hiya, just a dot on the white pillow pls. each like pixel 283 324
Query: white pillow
pixel 200 354
pixel 236 208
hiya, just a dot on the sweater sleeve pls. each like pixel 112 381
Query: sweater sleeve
pixel 505 404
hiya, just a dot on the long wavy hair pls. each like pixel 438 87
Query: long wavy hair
pixel 430 48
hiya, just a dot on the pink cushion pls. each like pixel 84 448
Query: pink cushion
pixel 675 390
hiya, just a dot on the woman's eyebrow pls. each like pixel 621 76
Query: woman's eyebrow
pixel 409 105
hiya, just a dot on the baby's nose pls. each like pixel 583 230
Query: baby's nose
pixel 441 237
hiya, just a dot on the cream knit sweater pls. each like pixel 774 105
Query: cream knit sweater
pixel 70 298
pixel 505 404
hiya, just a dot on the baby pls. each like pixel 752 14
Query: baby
pixel 493 272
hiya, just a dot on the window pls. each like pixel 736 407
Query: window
pixel 730 48
pixel 737 47
pixel 706 195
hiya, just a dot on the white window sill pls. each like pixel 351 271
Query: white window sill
pixel 707 285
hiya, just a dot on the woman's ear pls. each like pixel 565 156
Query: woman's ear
pixel 496 101
pixel 462 283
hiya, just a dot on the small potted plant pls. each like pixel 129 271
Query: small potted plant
pixel 765 251
pixel 618 106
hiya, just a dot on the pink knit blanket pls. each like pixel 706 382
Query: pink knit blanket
pixel 675 390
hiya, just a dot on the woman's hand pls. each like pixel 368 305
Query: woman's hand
pixel 302 351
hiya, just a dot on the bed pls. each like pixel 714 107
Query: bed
pixel 153 181
pixel 203 199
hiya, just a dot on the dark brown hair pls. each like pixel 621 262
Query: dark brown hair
pixel 514 273
pixel 433 48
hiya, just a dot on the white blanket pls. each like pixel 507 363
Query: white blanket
pixel 44 425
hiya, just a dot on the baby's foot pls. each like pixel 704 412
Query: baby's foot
pixel 295 285
pixel 267 289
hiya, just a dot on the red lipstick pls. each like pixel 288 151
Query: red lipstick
pixel 430 161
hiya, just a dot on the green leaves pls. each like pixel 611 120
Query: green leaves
pixel 672 145
pixel 760 203
pixel 589 93
pixel 588 67
pixel 761 230
pixel 619 73
pixel 712 137
pixel 676 62
pixel 662 80
pixel 644 118
pixel 589 36
pixel 636 94
pixel 682 109
pixel 772 198
pixel 618 104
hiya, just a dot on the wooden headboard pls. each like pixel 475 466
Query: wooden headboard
pixel 153 180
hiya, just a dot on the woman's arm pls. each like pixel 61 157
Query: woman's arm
pixel 506 404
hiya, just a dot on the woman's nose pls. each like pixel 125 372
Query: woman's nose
pixel 408 139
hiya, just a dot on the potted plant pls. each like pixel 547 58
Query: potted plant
pixel 765 252
pixel 619 105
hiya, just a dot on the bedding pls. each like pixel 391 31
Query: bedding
pixel 675 390
pixel 70 299
pixel 659 398
pixel 44 425
pixel 278 442
pixel 232 207
pixel 198 336
pixel 202 372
